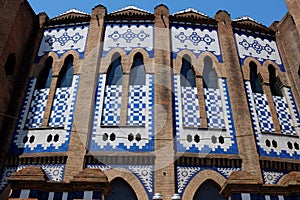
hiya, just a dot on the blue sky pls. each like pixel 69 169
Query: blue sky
pixel 264 11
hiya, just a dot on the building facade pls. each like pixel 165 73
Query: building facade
pixel 129 104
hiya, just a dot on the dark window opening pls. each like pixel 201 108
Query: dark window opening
pixel 45 77
pixel 115 73
pixel 121 190
pixel 209 74
pixel 187 78
pixel 137 72
pixel 274 82
pixel 209 190
pixel 255 81
pixel 66 74
pixel 10 64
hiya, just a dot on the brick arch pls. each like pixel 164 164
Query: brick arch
pixel 146 58
pixel 217 66
pixel 105 62
pixel 76 61
pixel 178 61
pixel 246 68
pixel 38 67
pixel 199 179
pixel 279 73
pixel 283 180
pixel 129 178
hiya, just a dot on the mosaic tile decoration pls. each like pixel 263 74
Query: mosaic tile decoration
pixel 45 140
pixel 190 107
pixel 37 108
pixel 34 194
pixel 137 101
pixel 284 116
pixel 248 196
pixel 129 37
pixel 279 145
pixel 257 47
pixel 127 138
pixel 271 177
pixel 63 39
pixel 197 40
pixel 145 174
pixel 214 109
pixel 263 112
pixel 206 141
pixel 294 110
pixel 112 105
pixel 184 175
pixel 54 172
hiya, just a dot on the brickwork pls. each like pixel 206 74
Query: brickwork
pixel 149 151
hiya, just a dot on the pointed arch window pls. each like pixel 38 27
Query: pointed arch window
pixel 113 93
pixel 137 98
pixel 66 74
pixel 10 64
pixel 187 78
pixel 274 82
pixel 45 77
pixel 255 79
pixel 209 74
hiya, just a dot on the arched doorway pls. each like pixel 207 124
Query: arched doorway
pixel 120 190
pixel 209 190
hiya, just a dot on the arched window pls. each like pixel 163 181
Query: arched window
pixel 254 79
pixel 121 190
pixel 115 74
pixel 274 82
pixel 10 64
pixel 187 78
pixel 44 79
pixel 209 190
pixel 209 74
pixel 66 74
pixel 137 72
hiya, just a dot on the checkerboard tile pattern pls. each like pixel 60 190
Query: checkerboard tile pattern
pixel 214 110
pixel 263 112
pixel 284 116
pixel 190 107
pixel 112 105
pixel 292 105
pixel 137 105
pixel 37 108
pixel 60 107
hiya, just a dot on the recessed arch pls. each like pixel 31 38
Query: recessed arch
pixel 45 76
pixel 215 63
pixel 209 190
pixel 120 190
pixel 130 178
pixel 193 61
pixel 105 62
pixel 66 73
pixel 199 179
pixel 187 73
pixel 210 79
pixel 137 71
pixel 274 80
pixel 255 80
pixel 115 71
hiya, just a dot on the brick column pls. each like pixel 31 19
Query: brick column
pixel 124 105
pixel 201 102
pixel 86 94
pixel 240 109
pixel 164 146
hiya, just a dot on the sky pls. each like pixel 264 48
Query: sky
pixel 263 11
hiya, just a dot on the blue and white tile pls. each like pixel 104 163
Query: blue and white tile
pixel 137 105
pixel 184 175
pixel 37 108
pixel 272 177
pixel 196 40
pixel 63 39
pixel 190 107
pixel 226 172
pixel 128 37
pixel 208 141
pixel 259 48
pixel 127 138
pixel 284 116
pixel 293 108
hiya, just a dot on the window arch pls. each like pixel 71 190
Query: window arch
pixel 255 80
pixel 137 72
pixel 209 190
pixel 66 74
pixel 44 79
pixel 209 74
pixel 115 72
pixel 274 82
pixel 187 73
pixel 10 64
pixel 121 190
